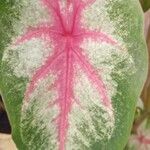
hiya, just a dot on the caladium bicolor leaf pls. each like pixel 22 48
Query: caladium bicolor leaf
pixel 72 73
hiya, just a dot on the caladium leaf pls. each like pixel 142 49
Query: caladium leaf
pixel 72 73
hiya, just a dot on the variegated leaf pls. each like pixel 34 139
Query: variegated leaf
pixel 72 73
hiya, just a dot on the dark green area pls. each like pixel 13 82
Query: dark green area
pixel 12 90
pixel 145 4
pixel 12 95
pixel 9 12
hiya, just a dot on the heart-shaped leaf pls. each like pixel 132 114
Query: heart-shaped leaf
pixel 72 73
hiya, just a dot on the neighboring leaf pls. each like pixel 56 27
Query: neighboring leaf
pixel 140 140
pixel 145 4
pixel 72 73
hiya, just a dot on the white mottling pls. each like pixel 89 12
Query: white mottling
pixel 33 13
pixel 85 127
pixel 25 58
pixel 95 17
pixel 105 58
pixel 38 115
